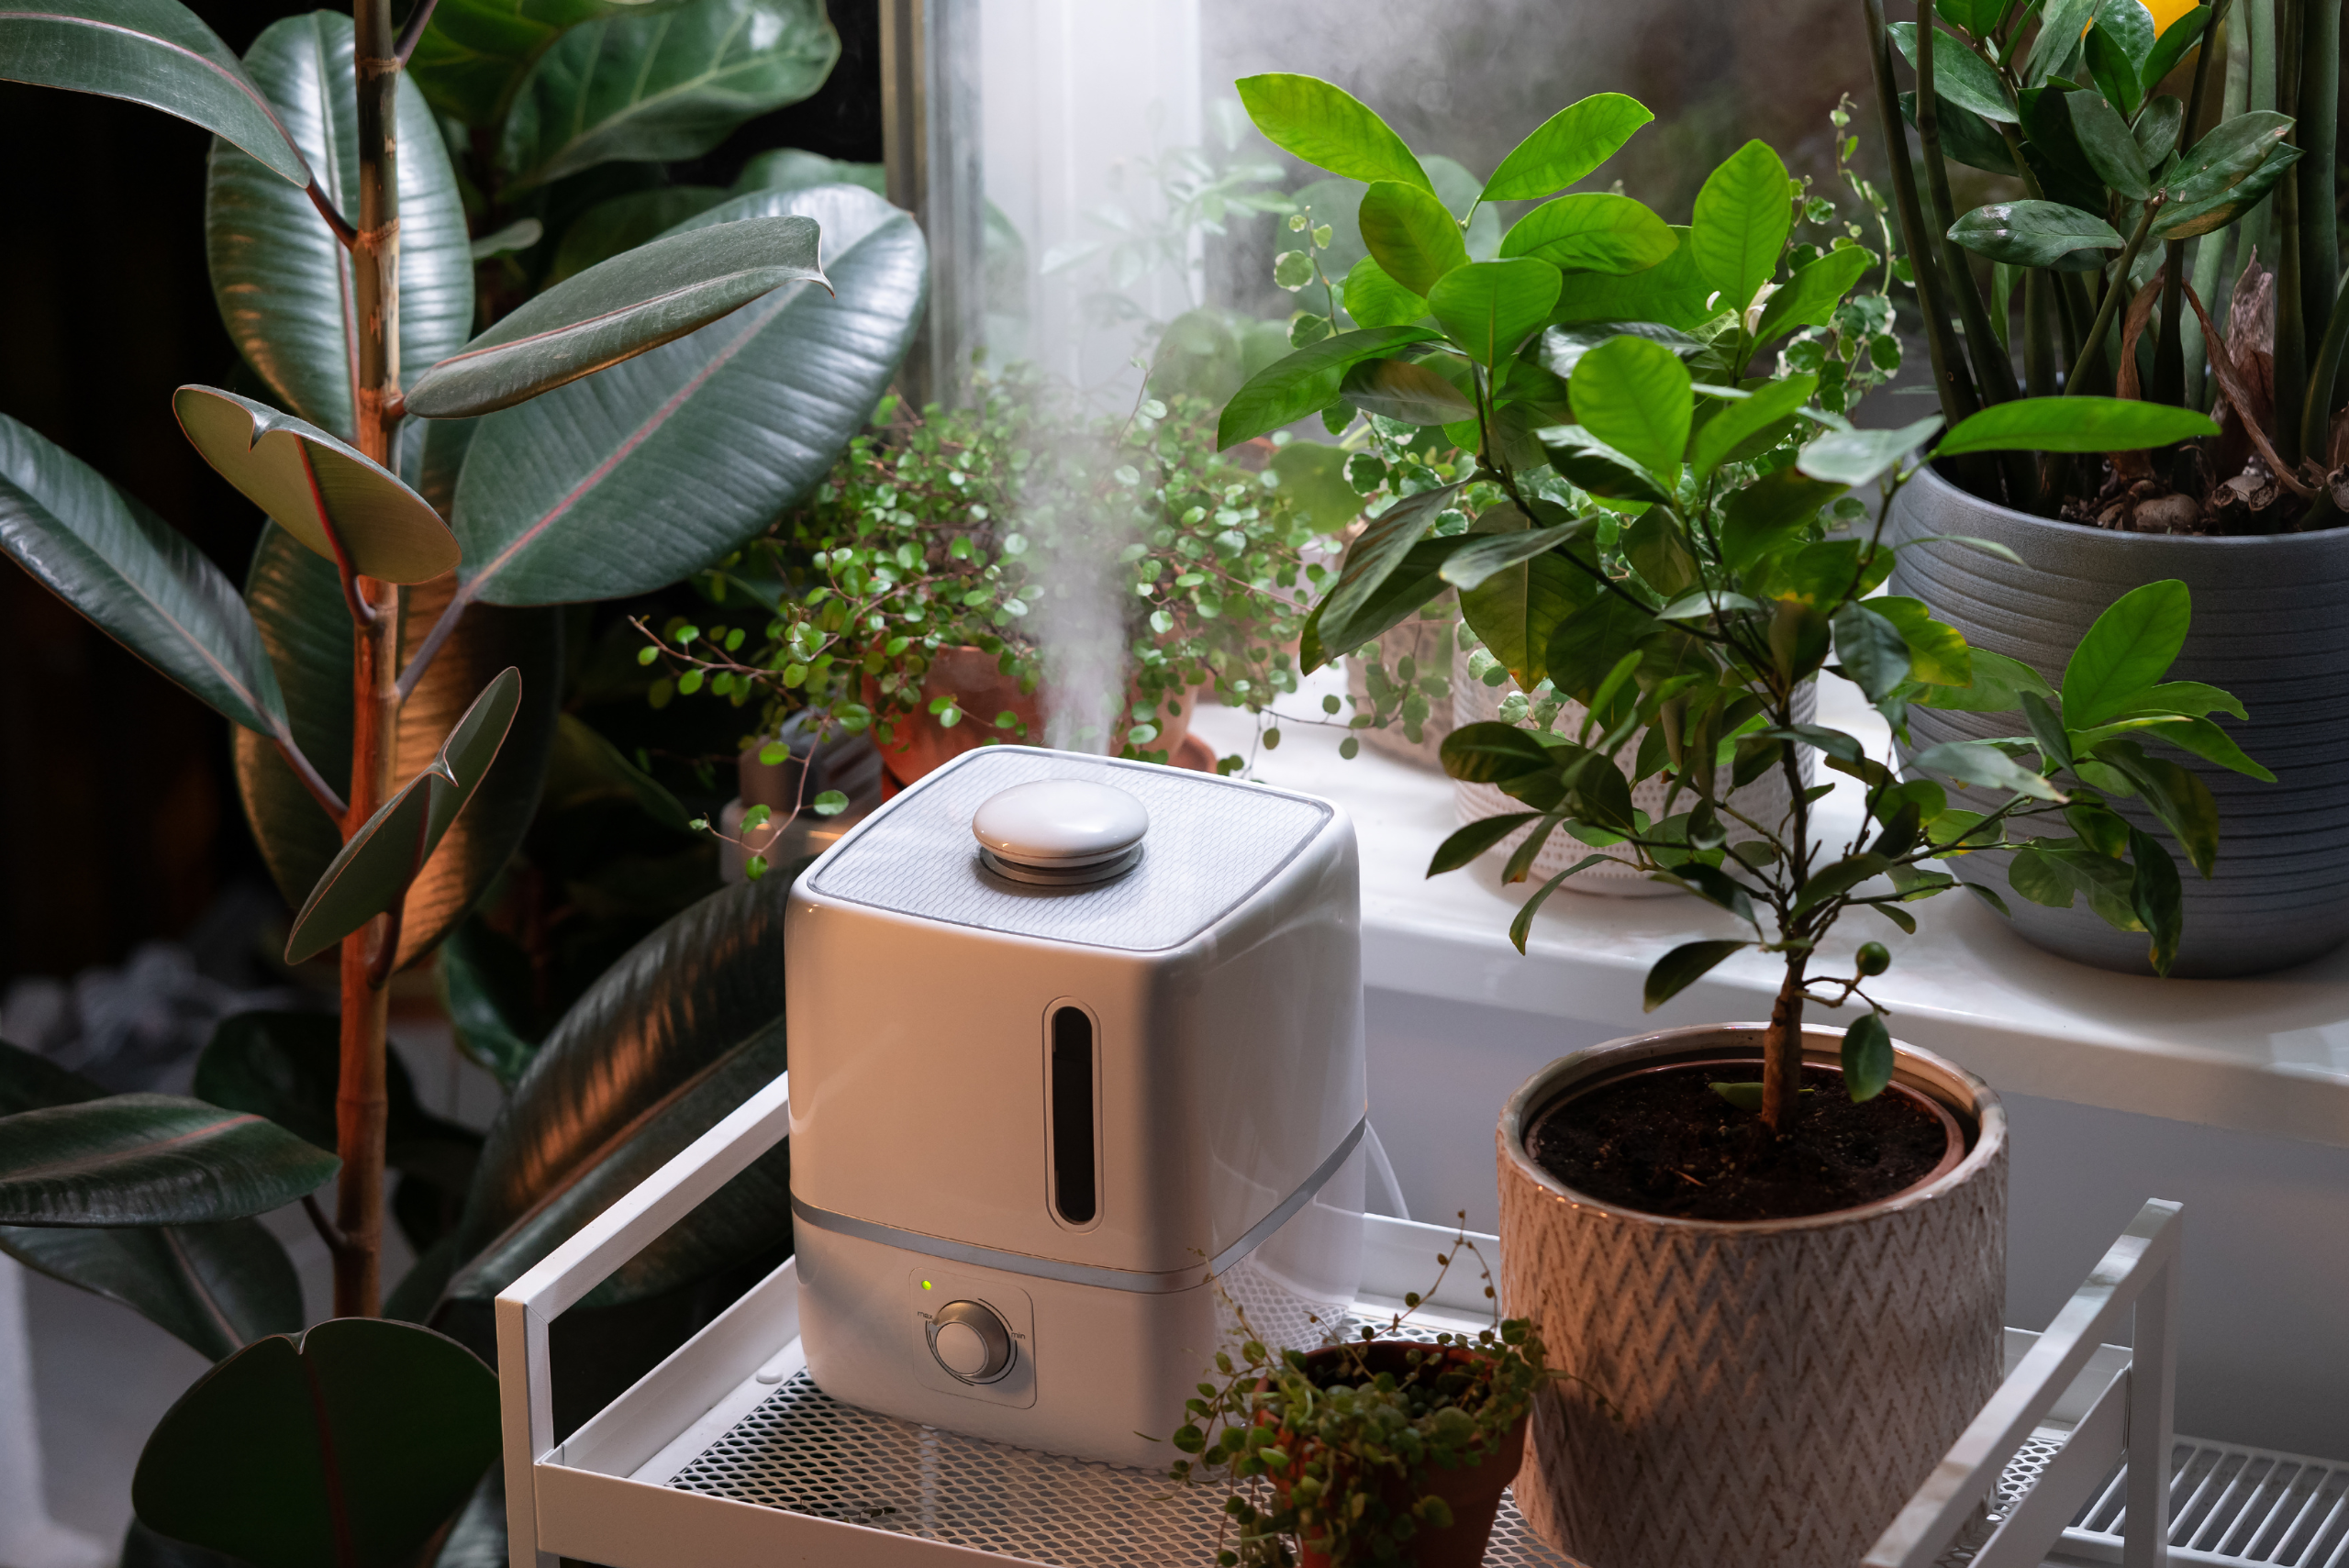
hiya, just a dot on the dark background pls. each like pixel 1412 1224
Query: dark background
pixel 118 814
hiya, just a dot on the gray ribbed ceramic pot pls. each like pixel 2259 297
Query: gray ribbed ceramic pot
pixel 1764 1394
pixel 2271 625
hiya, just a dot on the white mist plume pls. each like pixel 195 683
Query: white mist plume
pixel 1079 525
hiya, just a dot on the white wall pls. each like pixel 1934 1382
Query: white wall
pixel 1075 90
pixel 2265 1356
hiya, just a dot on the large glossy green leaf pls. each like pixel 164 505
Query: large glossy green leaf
pixel 281 278
pixel 796 169
pixel 1682 967
pixel 617 309
pixel 345 1447
pixel 474 55
pixel 633 478
pixel 1378 552
pixel 1565 148
pixel 2082 424
pixel 625 222
pixel 1412 233
pixel 1306 381
pixel 1329 128
pixel 2226 155
pixel 2111 149
pixel 1592 231
pixel 668 85
pixel 2032 233
pixel 1373 299
pixel 215 1286
pixel 2128 647
pixel 1743 215
pixel 149 1160
pixel 2184 220
pixel 287 1067
pixel 1491 307
pixel 1959 74
pixel 629 1062
pixel 156 52
pixel 310 482
pixel 1672 293
pixel 1405 390
pixel 1737 422
pixel 297 603
pixel 378 863
pixel 1600 468
pixel 1811 295
pixel 1520 590
pixel 135 576
pixel 1860 457
pixel 1633 395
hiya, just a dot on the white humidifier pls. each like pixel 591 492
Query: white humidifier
pixel 1075 1063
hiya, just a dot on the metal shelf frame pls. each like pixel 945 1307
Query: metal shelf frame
pixel 646 1481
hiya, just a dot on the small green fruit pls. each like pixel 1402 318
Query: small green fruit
pixel 1872 958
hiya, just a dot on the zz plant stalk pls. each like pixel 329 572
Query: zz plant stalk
pixel 345 500
pixel 1657 522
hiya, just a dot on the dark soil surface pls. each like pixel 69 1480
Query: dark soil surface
pixel 1664 1144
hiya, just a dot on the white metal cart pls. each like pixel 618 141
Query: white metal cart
pixel 726 1456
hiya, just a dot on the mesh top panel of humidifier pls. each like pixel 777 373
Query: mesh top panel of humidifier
pixel 1211 843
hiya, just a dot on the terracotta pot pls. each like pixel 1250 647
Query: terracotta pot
pixel 1473 1493
pixel 981 690
pixel 1778 1388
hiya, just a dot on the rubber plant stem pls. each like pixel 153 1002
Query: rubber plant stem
pixel 360 1103
pixel 1951 380
pixel 2291 348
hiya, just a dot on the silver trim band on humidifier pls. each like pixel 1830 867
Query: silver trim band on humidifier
pixel 1161 1284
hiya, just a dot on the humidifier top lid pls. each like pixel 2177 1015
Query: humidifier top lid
pixel 1196 846
pixel 1059 831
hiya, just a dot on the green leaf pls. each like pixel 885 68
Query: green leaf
pixel 1773 512
pixel 1959 74
pixel 1858 457
pixel 2047 730
pixel 2116 49
pixel 2081 423
pixel 1373 299
pixel 468 979
pixel 1310 379
pixel 1522 928
pixel 281 278
pixel 1410 234
pixel 1414 580
pixel 1492 752
pixel 2032 233
pixel 1329 128
pixel 1464 845
pixel 665 86
pixel 792 169
pixel 1375 555
pixel 2156 130
pixel 1871 649
pixel 1559 349
pixel 1975 762
pixel 472 58
pixel 1490 307
pixel 1998 684
pixel 1680 968
pixel 1809 297
pixel 1867 1057
pixel 1514 588
pixel 1405 390
pixel 380 861
pixel 2171 47
pixel 617 309
pixel 1743 216
pixel 2156 899
pixel 1633 395
pixel 1834 880
pixel 135 576
pixel 155 52
pixel 2131 645
pixel 1593 231
pixel 2213 213
pixel 1966 137
pixel 1589 462
pixel 1470 567
pixel 1721 434
pixel 608 227
pixel 1672 293
pixel 321 491
pixel 2179 799
pixel 1938 654
pixel 138 1160
pixel 2226 156
pixel 2207 740
pixel 2190 698
pixel 665 464
pixel 2111 148
pixel 407 1420
pixel 2060 25
pixel 1567 148
pixel 670 1039
pixel 297 603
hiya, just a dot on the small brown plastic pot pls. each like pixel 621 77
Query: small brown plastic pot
pixel 1473 1493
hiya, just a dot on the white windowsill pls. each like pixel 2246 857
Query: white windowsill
pixel 2268 1054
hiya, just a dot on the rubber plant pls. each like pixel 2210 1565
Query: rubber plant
pixel 1658 524
pixel 2120 246
pixel 418 518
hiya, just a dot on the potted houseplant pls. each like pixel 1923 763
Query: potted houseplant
pixel 391 668
pixel 1390 1446
pixel 1679 503
pixel 938 590
pixel 2180 249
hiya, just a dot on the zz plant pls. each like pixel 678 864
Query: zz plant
pixel 2119 247
pixel 1664 531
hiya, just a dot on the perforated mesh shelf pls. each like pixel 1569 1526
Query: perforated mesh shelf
pixel 2243 1507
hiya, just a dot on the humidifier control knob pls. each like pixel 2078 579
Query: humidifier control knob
pixel 969 1340
pixel 1059 832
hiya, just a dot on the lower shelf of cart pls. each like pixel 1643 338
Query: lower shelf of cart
pixel 728 1456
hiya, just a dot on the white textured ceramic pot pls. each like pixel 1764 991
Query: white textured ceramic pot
pixel 2271 625
pixel 1765 1394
